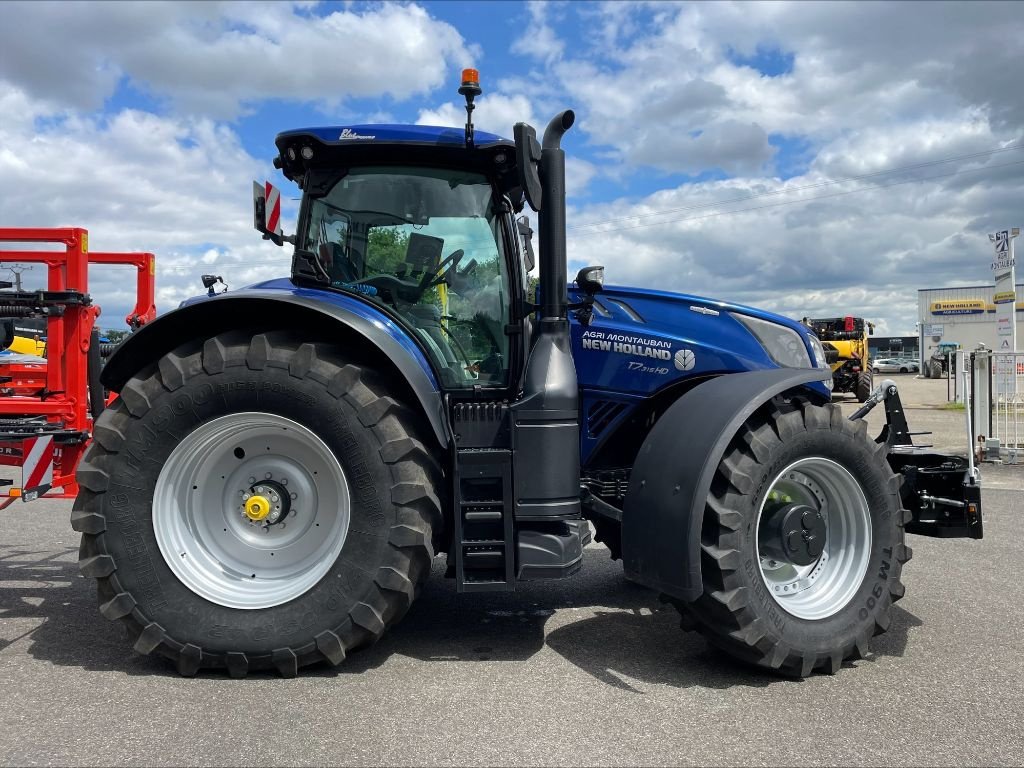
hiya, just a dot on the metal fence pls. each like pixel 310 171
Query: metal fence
pixel 998 379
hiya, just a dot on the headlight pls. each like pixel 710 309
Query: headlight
pixel 782 344
pixel 819 352
pixel 819 357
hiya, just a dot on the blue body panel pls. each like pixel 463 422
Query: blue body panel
pixel 349 304
pixel 395 134
pixel 641 343
pixel 646 341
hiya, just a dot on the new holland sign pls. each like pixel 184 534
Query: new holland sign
pixel 961 307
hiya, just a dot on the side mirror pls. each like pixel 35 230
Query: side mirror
pixel 590 280
pixel 528 152
pixel 526 233
pixel 266 208
pixel 209 281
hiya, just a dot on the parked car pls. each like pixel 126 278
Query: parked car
pixel 911 363
pixel 893 365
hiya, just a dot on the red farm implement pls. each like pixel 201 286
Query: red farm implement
pixel 47 405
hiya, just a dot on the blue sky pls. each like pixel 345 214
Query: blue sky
pixel 713 153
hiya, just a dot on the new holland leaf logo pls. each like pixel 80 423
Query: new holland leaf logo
pixel 685 360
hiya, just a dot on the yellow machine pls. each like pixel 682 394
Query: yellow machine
pixel 21 338
pixel 23 345
pixel 845 340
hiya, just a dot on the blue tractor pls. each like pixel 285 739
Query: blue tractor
pixel 284 461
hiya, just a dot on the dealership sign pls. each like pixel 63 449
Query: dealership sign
pixel 1005 289
pixel 960 307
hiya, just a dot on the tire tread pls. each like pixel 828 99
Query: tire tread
pixel 723 613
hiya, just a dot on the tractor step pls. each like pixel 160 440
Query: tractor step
pixel 484 533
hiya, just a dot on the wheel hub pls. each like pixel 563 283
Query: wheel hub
pixel 813 537
pixel 799 534
pixel 266 502
pixel 257 508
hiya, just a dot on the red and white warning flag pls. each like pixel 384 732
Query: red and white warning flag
pixel 37 466
pixel 273 209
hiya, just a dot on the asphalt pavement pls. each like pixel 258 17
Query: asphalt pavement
pixel 589 671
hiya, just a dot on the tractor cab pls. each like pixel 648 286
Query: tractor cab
pixel 415 221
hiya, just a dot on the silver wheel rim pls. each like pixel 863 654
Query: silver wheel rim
pixel 822 588
pixel 200 520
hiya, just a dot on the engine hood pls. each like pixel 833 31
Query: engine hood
pixel 641 341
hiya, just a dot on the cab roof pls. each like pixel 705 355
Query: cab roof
pixel 304 149
pixel 433 135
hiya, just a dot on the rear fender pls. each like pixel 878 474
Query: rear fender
pixel 671 476
pixel 343 320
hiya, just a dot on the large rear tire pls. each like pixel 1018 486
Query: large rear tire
pixel 796 610
pixel 864 384
pixel 935 369
pixel 173 515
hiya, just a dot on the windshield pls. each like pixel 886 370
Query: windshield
pixel 427 243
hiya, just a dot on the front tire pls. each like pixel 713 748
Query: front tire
pixel 187 558
pixel 784 608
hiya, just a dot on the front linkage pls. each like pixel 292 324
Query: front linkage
pixel 941 491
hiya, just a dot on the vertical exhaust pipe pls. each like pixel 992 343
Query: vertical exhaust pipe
pixel 553 259
pixel 547 457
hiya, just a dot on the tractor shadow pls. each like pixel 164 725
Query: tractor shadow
pixel 44 600
pixel 623 633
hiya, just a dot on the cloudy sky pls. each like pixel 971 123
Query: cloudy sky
pixel 813 159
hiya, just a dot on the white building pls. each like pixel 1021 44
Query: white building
pixel 965 315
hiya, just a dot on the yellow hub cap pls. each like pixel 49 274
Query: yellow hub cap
pixel 257 508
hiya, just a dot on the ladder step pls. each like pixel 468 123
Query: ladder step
pixel 483 542
pixel 478 515
pixel 483 558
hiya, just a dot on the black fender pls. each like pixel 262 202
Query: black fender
pixel 343 320
pixel 671 476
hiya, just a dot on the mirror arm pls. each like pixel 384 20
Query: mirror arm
pixel 584 309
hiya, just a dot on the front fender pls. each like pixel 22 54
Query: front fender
pixel 317 313
pixel 671 477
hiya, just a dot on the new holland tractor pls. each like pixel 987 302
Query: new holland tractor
pixel 845 340
pixel 284 461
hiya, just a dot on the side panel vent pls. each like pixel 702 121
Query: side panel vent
pixel 601 414
pixel 481 425
pixel 630 312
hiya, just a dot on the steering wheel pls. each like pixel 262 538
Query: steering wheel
pixel 436 275
pixel 411 291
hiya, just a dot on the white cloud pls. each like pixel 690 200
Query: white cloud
pixel 494 112
pixel 657 88
pixel 177 187
pixel 804 249
pixel 539 40
pixel 214 58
